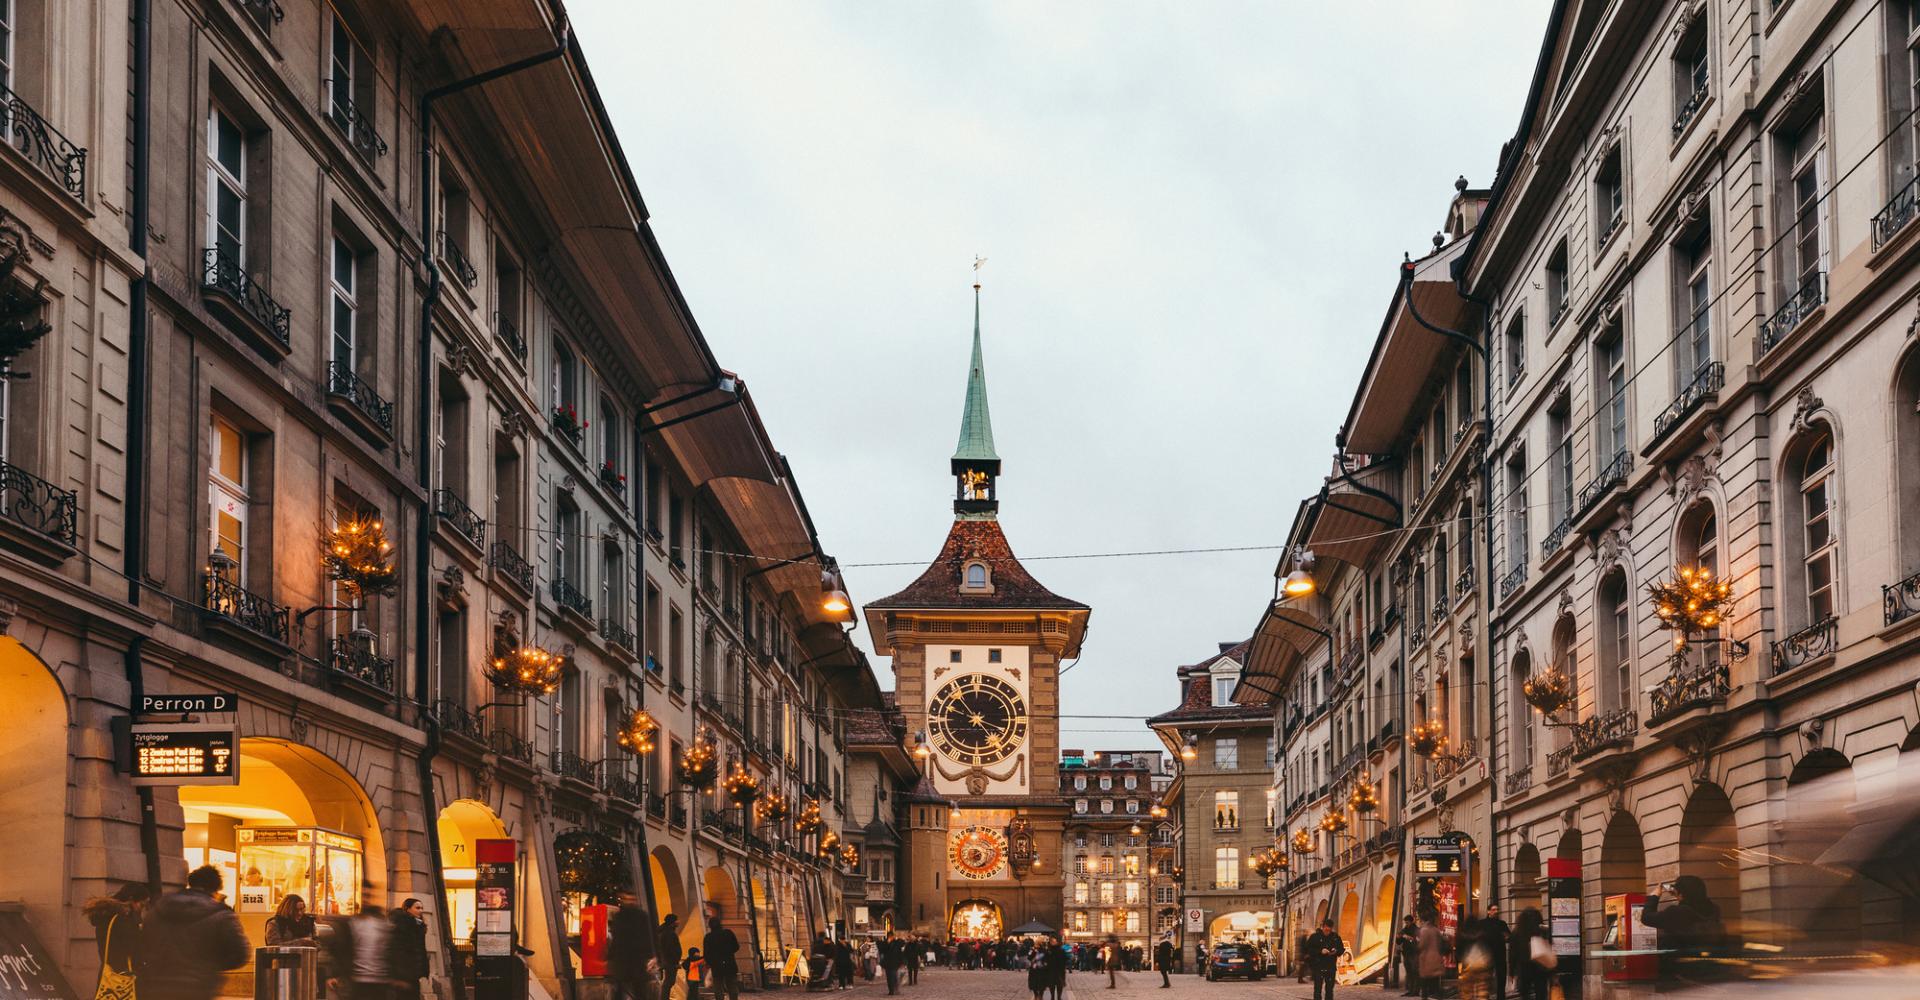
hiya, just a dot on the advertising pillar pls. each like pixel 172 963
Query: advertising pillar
pixel 496 969
pixel 1563 919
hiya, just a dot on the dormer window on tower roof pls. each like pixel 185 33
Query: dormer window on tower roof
pixel 976 578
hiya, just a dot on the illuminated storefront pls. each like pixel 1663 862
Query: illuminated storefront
pixel 978 919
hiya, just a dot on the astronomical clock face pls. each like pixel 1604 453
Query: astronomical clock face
pixel 978 852
pixel 978 720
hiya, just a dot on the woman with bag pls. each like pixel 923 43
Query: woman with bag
pixel 1532 959
pixel 116 928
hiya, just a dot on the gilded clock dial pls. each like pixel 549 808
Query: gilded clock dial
pixel 978 719
pixel 977 852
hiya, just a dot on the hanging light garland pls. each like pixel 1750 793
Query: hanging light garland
pixel 1334 821
pixel 698 766
pixel 829 843
pixel 636 737
pixel 742 786
pixel 1302 842
pixel 1427 739
pixel 1549 690
pixel 809 819
pixel 772 807
pixel 1363 801
pixel 850 857
pixel 1261 863
pixel 359 558
pixel 1693 601
pixel 528 670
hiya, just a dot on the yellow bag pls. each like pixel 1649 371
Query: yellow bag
pixel 114 984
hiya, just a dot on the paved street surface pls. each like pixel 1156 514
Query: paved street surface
pixel 957 984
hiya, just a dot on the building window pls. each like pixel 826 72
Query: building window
pixel 567 557
pixel 1080 921
pixel 1812 464
pixel 1560 439
pixel 1801 197
pixel 1223 686
pixel 1106 782
pixel 1080 893
pixel 1080 861
pixel 1106 806
pixel 1106 840
pixel 1610 357
pixel 1616 644
pixel 228 501
pixel 1226 753
pixel 1226 810
pixel 565 381
pixel 1080 805
pixel 350 82
pixel 611 439
pixel 1516 353
pixel 226 186
pixel 1130 890
pixel 1079 782
pixel 1516 511
pixel 1609 197
pixel 1556 282
pixel 1106 893
pixel 1522 713
pixel 346 303
pixel 1226 867
pixel 1693 343
pixel 1690 75
pixel 1133 805
pixel 953 656
pixel 993 656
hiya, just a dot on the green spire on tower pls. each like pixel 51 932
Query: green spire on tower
pixel 976 424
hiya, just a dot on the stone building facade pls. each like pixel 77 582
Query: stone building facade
pixel 307 273
pixel 1107 854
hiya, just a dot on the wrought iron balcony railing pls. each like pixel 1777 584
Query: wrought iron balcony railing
pixel 354 124
pixel 1904 205
pixel 510 564
pixel 1612 475
pixel 1811 296
pixel 1513 580
pixel 622 787
pixel 235 603
pixel 505 329
pixel 1901 600
pixel 38 505
pixel 1613 226
pixel 1688 110
pixel 355 657
pixel 1805 646
pixel 1704 385
pixel 223 274
pixel 568 764
pixel 1463 584
pixel 656 805
pixel 448 507
pixel 1518 780
pixel 619 635
pixel 1557 762
pixel 455 260
pixel 1685 689
pixel 50 152
pixel 1441 607
pixel 265 13
pixel 509 744
pixel 569 597
pixel 1603 732
pixel 345 383
pixel 454 719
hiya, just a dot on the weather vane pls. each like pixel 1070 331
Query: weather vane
pixel 978 262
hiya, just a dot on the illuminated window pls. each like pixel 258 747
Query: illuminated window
pixel 227 496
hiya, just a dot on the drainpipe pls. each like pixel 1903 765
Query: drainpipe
pixel 423 550
pixel 1486 516
pixel 149 823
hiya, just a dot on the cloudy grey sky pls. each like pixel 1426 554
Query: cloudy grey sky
pixel 1192 214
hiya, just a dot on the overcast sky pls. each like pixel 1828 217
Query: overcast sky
pixel 1192 215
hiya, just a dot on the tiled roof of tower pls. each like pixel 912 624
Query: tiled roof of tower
pixel 970 539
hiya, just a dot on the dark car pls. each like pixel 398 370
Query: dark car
pixel 1229 960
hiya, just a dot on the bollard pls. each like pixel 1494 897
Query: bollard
pixel 282 973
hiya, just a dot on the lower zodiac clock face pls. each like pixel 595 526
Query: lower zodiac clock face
pixel 978 719
pixel 978 852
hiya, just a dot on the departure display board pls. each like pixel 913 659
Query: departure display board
pixel 185 754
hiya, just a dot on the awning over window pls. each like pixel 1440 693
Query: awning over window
pixel 1287 631
pixel 1353 519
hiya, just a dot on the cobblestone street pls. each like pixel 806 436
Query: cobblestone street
pixel 952 984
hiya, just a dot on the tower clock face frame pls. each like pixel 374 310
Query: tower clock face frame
pixel 978 720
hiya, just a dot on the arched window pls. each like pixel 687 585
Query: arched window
pixel 1614 639
pixel 976 578
pixel 1564 660
pixel 1521 713
pixel 1698 544
pixel 1812 542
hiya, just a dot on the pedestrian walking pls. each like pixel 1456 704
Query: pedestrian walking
pixel 116 932
pixel 1472 965
pixel 666 951
pixel 1691 932
pixel 695 970
pixel 1057 962
pixel 630 962
pixel 722 948
pixel 1433 955
pixel 409 948
pixel 1113 961
pixel 843 964
pixel 1407 949
pixel 1494 933
pixel 1323 951
pixel 188 940
pixel 916 951
pixel 1163 960
pixel 1531 956
pixel 893 956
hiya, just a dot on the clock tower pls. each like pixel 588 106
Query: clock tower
pixel 976 644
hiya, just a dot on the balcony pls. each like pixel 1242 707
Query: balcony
pixel 1687 696
pixel 453 512
pixel 1612 476
pixel 353 657
pixel 1703 386
pixel 1901 600
pixel 50 152
pixel 1417 632
pixel 227 603
pixel 1803 303
pixel 1557 762
pixel 229 290
pixel 1556 537
pixel 1613 226
pixel 455 261
pixel 1814 642
pixel 1899 211
pixel 1594 737
pixel 571 599
pixel 1441 608
pixel 37 518
pixel 454 720
pixel 1463 584
pixel 566 423
pixel 354 400
pixel 1518 782
pixel 508 565
pixel 568 764
pixel 509 745
pixel 509 335
pixel 354 125
pixel 656 805
pixel 265 13
pixel 619 636
pixel 1688 110
pixel 1514 580
pixel 613 479
pixel 621 787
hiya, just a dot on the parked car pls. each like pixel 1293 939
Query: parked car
pixel 1229 960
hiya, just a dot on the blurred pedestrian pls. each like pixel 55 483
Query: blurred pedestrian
pixel 631 967
pixel 116 931
pixel 1433 955
pixel 666 951
pixel 722 949
pixel 188 940
pixel 1163 960
pixel 1531 956
pixel 409 957
pixel 1324 948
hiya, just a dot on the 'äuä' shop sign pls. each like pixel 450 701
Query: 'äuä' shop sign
pixel 27 970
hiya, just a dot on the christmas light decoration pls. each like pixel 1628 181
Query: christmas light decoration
pixel 1334 822
pixel 636 736
pixel 1302 842
pixel 742 786
pixel 1693 601
pixel 772 807
pixel 1427 739
pixel 528 670
pixel 829 843
pixel 1549 690
pixel 850 857
pixel 698 766
pixel 809 819
pixel 360 559
pixel 1363 800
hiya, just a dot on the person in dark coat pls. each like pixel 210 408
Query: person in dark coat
pixel 1494 934
pixel 116 927
pixel 1690 929
pixel 722 950
pixel 630 962
pixel 843 965
pixel 916 952
pixel 188 940
pixel 1533 980
pixel 666 951
pixel 1407 944
pixel 892 957
pixel 1163 960
pixel 1324 949
pixel 409 961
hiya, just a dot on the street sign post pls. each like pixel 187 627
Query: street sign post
pixel 187 704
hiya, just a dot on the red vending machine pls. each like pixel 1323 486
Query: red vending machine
pixel 593 940
pixel 1625 933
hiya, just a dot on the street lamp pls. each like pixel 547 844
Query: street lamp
pixel 1300 582
pixel 833 593
pixel 1190 750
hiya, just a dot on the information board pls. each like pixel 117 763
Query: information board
pixel 184 754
